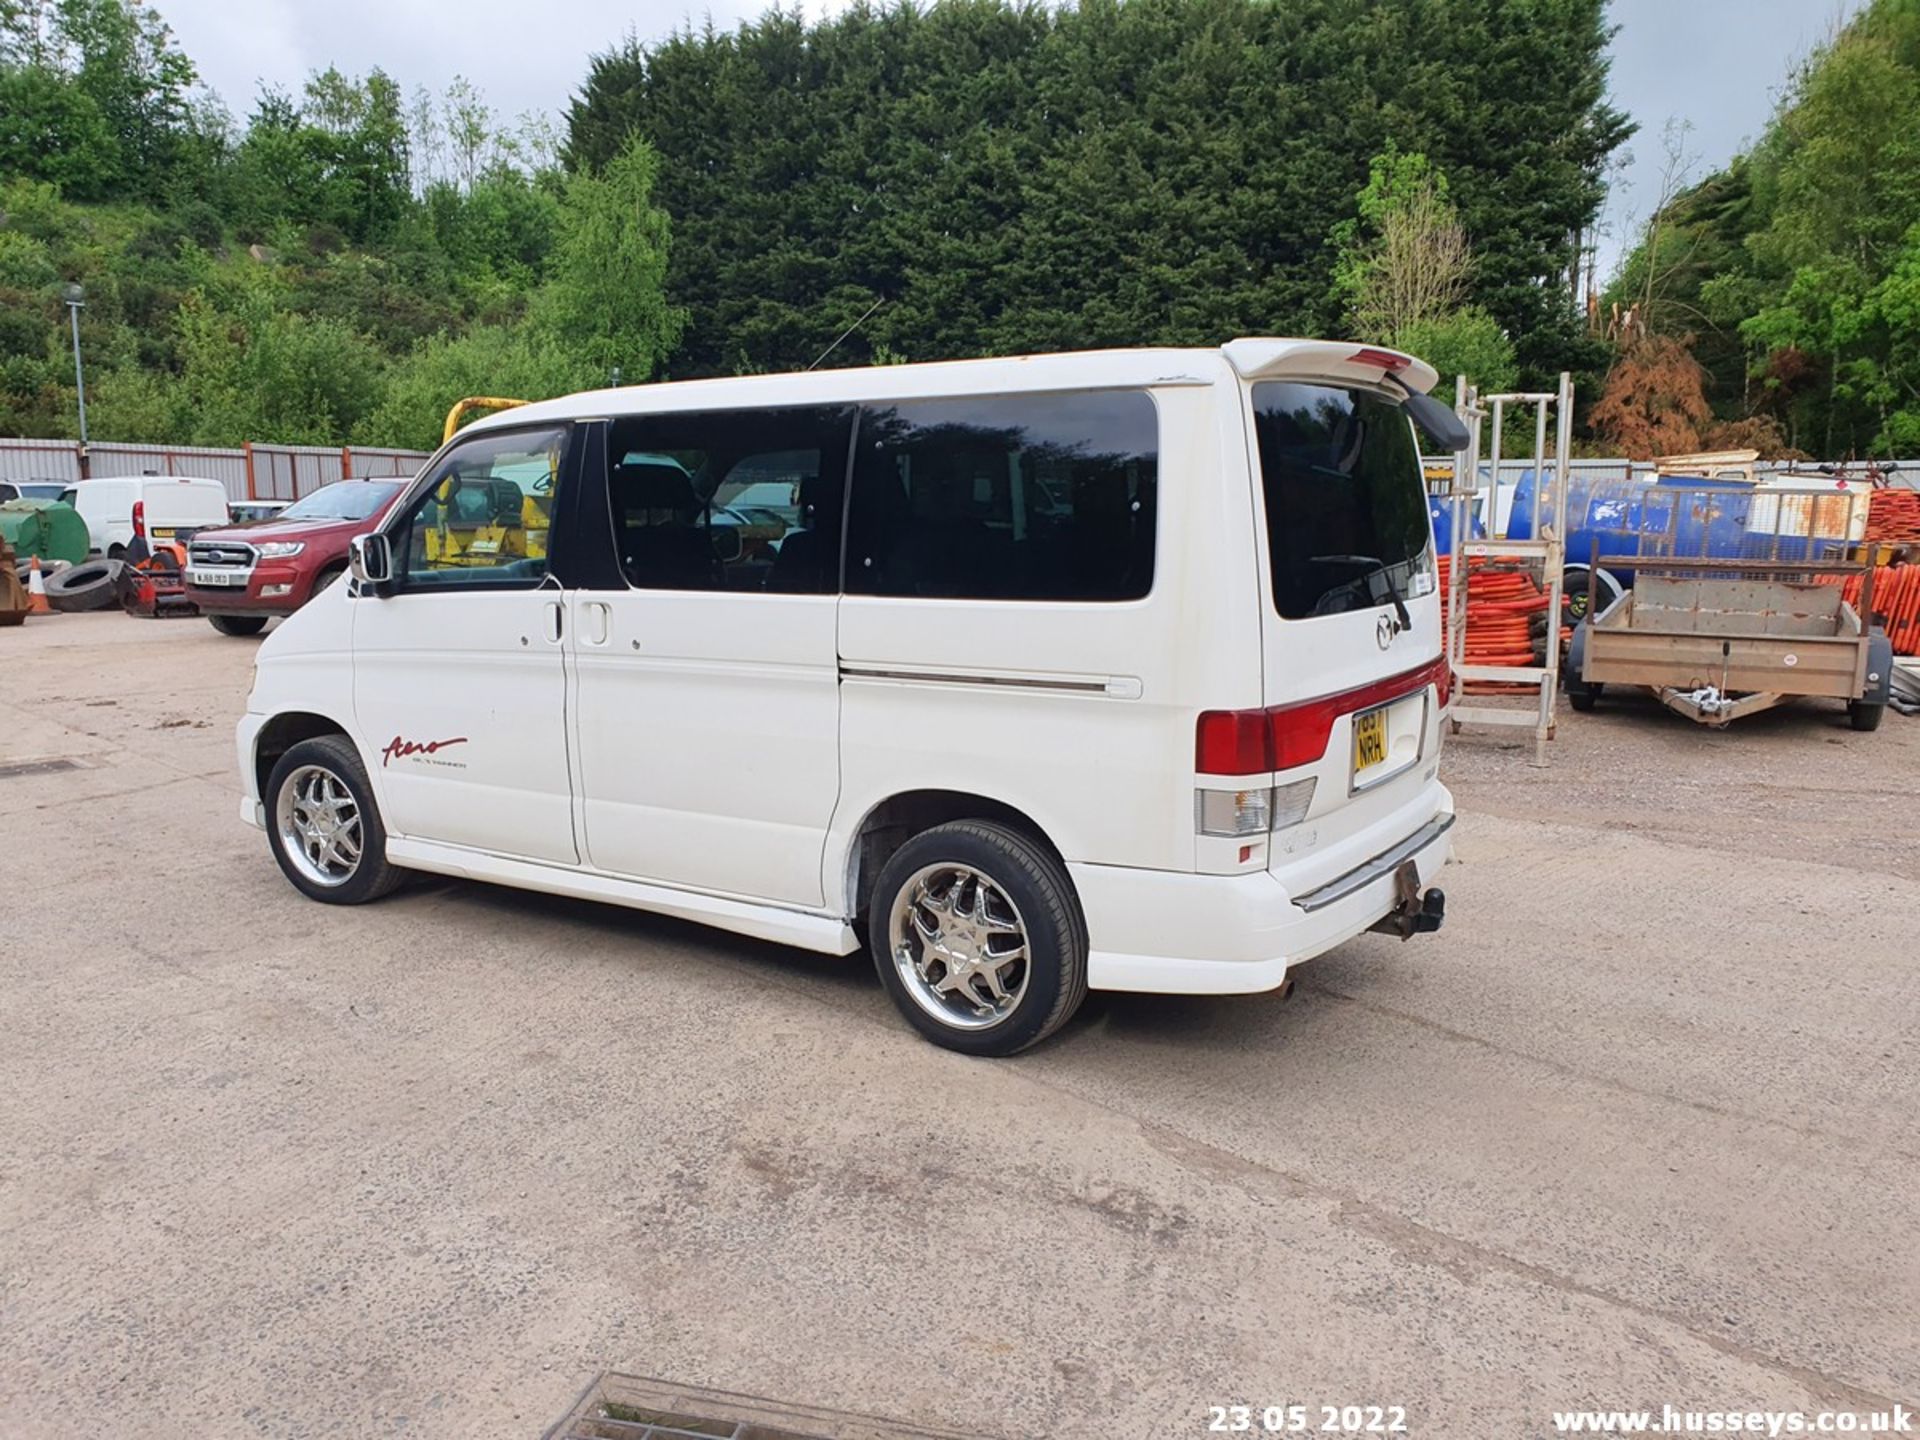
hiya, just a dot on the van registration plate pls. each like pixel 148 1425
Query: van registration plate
pixel 1369 739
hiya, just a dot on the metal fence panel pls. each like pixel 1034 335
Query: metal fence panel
pixel 229 467
pixel 39 460
pixel 289 472
pixel 257 472
pixel 368 462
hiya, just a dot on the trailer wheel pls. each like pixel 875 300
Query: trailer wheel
pixel 1580 694
pixel 1865 714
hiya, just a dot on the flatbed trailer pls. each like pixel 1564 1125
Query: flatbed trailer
pixel 1715 639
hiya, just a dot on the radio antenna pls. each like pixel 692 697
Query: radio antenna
pixel 846 332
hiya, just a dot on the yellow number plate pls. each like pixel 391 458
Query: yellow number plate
pixel 1369 739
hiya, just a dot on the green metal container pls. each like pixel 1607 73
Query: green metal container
pixel 47 528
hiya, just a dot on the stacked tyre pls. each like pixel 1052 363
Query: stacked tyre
pixel 91 585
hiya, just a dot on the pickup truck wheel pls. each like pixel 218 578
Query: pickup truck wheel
pixel 323 825
pixel 238 624
pixel 324 579
pixel 978 938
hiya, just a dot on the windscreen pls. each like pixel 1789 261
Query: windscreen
pixel 353 501
pixel 1347 524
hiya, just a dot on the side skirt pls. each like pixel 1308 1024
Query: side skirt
pixel 806 930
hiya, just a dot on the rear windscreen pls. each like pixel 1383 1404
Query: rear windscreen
pixel 1346 505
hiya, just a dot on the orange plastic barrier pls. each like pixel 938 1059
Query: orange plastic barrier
pixel 1896 600
pixel 1501 606
pixel 1894 516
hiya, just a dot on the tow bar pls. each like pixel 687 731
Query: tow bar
pixel 1413 913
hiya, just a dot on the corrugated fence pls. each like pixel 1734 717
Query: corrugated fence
pixel 252 472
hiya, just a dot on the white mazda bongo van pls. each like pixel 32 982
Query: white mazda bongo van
pixel 1117 670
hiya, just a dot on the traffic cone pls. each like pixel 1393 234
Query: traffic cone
pixel 36 590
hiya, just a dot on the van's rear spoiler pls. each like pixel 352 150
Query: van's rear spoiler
pixel 1364 364
pixel 1264 359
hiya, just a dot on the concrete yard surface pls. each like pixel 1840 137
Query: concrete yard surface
pixel 1640 1125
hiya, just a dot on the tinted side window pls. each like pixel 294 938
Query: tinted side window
pixel 1006 497
pixel 730 499
pixel 486 517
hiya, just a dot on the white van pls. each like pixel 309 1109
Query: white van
pixel 156 507
pixel 1116 670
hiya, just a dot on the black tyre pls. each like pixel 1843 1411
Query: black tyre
pixel 1580 694
pixel 324 579
pixel 238 624
pixel 978 937
pixel 1865 714
pixel 323 825
pixel 1577 583
pixel 91 586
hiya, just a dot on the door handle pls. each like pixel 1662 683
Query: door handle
pixel 599 622
pixel 554 621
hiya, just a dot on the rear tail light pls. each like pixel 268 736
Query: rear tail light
pixel 1258 742
pixel 1232 742
pixel 140 518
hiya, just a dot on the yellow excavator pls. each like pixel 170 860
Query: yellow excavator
pixel 488 519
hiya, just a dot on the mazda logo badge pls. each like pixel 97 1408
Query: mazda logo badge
pixel 1386 630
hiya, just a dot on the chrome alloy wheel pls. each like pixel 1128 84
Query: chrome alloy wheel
pixel 319 824
pixel 959 945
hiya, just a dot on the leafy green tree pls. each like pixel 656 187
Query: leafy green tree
pixel 1468 342
pixel 52 130
pixel 1403 271
pixel 95 95
pixel 600 308
pixel 1794 263
pixel 511 360
pixel 1007 178
pixel 250 368
pixel 605 293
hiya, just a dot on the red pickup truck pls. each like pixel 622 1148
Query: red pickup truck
pixel 243 575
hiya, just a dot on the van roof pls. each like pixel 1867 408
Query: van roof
pixel 1249 358
pixel 148 479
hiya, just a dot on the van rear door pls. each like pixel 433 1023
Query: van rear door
pixel 1350 611
pixel 175 505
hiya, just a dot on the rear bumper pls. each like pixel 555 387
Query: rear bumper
pixel 1175 934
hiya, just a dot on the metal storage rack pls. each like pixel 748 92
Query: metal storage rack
pixel 1544 553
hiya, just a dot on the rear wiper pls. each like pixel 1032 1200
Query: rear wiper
pixel 1399 602
pixel 1379 569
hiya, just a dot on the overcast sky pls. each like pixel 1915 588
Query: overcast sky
pixel 1716 63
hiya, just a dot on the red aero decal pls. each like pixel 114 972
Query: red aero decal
pixel 398 748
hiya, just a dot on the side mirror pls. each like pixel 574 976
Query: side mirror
pixel 1436 421
pixel 727 544
pixel 370 558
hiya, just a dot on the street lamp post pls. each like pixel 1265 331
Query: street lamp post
pixel 76 299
